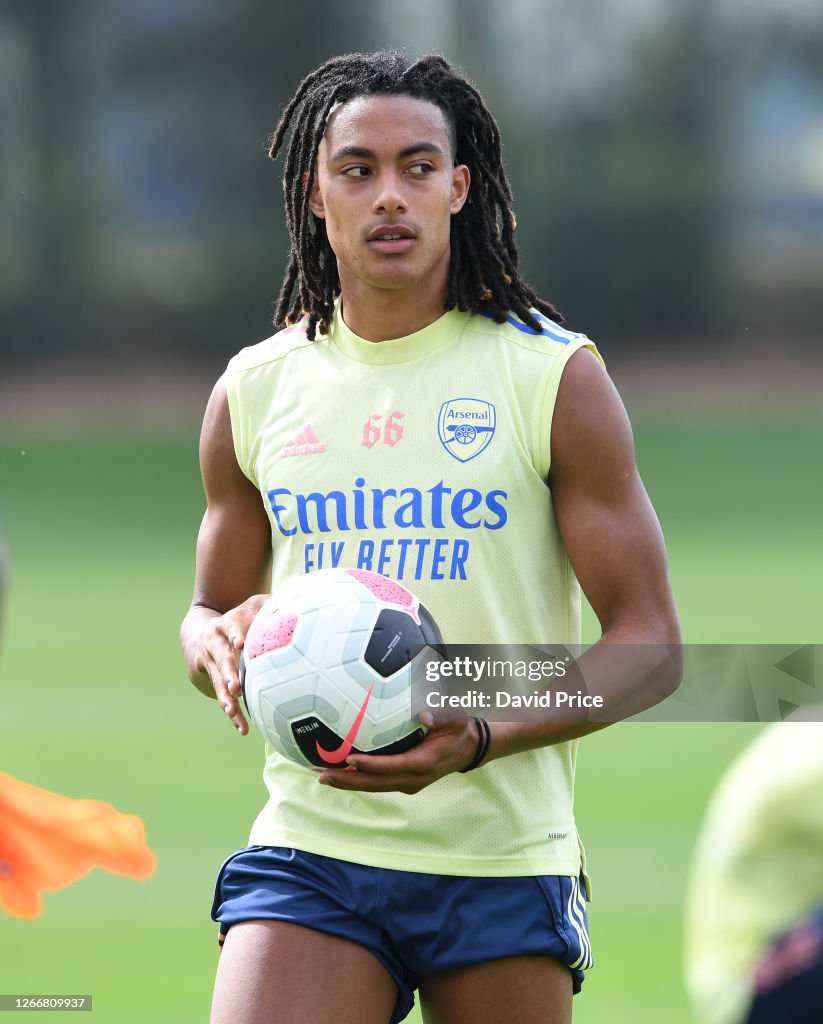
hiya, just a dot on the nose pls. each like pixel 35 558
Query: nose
pixel 389 196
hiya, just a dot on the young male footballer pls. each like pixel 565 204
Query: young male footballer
pixel 421 413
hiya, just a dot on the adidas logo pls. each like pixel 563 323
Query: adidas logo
pixel 304 442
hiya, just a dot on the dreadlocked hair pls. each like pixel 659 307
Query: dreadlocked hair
pixel 483 269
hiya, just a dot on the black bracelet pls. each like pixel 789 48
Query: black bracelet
pixel 484 738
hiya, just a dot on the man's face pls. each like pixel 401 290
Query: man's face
pixel 387 187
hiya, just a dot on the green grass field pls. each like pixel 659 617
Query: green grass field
pixel 100 527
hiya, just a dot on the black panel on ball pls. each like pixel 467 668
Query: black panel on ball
pixel 309 732
pixel 243 679
pixel 431 633
pixel 402 745
pixel 395 640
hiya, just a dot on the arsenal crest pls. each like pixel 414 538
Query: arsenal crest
pixel 466 427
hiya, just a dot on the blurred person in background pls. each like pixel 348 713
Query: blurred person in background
pixel 754 912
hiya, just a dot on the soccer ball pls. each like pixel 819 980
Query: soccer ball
pixel 334 664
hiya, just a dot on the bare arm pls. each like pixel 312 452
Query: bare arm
pixel 233 554
pixel 609 527
pixel 615 545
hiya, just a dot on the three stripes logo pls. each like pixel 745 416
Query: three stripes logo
pixel 304 442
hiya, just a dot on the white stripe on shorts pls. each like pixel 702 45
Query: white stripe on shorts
pixel 575 910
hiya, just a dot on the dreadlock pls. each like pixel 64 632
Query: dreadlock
pixel 483 268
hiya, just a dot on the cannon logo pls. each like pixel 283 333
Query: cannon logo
pixel 466 427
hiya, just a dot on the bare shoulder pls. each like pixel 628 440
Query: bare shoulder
pixel 218 461
pixel 216 429
pixel 589 419
pixel 234 543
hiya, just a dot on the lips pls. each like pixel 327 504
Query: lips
pixel 390 232
pixel 391 238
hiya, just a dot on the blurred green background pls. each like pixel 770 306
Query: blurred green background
pixel 668 172
pixel 666 159
pixel 95 703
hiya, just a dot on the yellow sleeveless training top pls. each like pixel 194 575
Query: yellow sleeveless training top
pixel 423 458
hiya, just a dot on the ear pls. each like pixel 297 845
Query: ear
pixel 461 180
pixel 315 198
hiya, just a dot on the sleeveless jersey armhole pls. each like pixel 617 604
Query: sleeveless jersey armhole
pixel 545 408
pixel 239 428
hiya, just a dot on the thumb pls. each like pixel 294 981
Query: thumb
pixel 442 718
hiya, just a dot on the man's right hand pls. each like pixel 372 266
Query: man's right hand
pixel 214 645
pixel 233 561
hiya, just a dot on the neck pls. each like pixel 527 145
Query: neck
pixel 382 314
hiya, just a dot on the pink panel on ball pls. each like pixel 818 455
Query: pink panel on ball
pixel 268 633
pixel 387 590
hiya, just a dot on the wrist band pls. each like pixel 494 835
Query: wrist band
pixel 484 738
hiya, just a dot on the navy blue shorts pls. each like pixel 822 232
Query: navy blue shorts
pixel 789 978
pixel 415 924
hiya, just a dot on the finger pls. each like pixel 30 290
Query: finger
pixel 444 745
pixel 389 764
pixel 364 782
pixel 442 718
pixel 234 633
pixel 233 684
pixel 221 681
pixel 228 669
pixel 235 716
pixel 238 720
pixel 239 620
pixel 224 678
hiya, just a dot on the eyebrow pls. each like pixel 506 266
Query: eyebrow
pixel 367 154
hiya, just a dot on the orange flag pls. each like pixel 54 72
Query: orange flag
pixel 48 841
